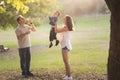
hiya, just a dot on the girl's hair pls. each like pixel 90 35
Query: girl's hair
pixel 69 23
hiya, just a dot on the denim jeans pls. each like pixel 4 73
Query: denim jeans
pixel 65 48
pixel 25 56
pixel 52 35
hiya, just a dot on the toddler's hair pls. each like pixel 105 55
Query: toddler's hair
pixel 57 12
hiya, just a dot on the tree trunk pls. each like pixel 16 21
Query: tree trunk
pixel 113 66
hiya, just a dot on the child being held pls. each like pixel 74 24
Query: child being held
pixel 53 19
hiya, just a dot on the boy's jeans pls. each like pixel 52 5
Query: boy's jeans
pixel 25 56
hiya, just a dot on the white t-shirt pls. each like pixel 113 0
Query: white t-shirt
pixel 65 40
pixel 25 42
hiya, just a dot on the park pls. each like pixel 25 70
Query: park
pixel 90 41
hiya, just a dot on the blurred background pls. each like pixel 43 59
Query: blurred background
pixel 84 7
pixel 39 10
pixel 90 40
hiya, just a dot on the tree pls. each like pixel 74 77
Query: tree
pixel 19 5
pixel 113 65
pixel 34 8
pixel 9 9
pixel 42 8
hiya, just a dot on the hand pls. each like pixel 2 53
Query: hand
pixel 30 21
pixel 28 32
pixel 20 37
pixel 55 25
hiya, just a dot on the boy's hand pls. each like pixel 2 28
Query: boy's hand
pixel 30 21
pixel 32 26
pixel 28 32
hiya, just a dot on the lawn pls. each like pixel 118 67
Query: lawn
pixel 90 42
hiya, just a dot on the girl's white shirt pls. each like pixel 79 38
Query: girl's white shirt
pixel 65 40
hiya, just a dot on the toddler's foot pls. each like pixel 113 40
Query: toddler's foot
pixel 57 42
pixel 50 45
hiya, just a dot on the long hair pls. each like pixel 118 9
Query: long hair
pixel 69 23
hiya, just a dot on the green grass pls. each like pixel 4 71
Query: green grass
pixel 90 42
pixel 92 22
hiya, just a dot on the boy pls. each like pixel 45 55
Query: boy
pixel 53 34
pixel 23 36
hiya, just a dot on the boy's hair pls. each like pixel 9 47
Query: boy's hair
pixel 20 16
pixel 69 23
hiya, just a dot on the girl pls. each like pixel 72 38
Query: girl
pixel 65 43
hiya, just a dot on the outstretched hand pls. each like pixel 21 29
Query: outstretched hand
pixel 30 21
pixel 55 25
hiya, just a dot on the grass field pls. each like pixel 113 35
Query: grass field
pixel 90 42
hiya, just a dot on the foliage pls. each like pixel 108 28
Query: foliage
pixel 33 8
pixel 9 11
pixel 19 5
pixel 43 7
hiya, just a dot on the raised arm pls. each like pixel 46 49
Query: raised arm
pixel 59 30
pixel 33 28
